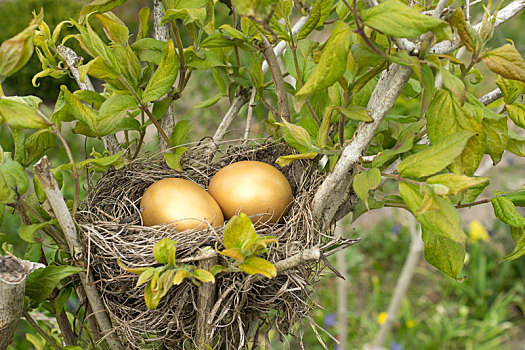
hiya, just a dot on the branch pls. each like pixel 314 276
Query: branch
pixel 162 33
pixel 42 171
pixel 13 273
pixel 491 97
pixel 342 291
pixel 280 89
pixel 232 113
pixel 249 115
pixel 330 194
pixel 40 331
pixel 71 58
pixel 502 16
pixel 205 301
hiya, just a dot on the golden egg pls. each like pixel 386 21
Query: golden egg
pixel 252 188
pixel 181 202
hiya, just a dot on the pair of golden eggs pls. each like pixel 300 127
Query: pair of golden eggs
pixel 257 189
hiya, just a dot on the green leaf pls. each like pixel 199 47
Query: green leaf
pixel 497 137
pixel 16 51
pixel 186 15
pixel 164 250
pixel 366 181
pixel 332 63
pixel 285 160
pixel 181 131
pixel 517 198
pixel 60 301
pixel 518 251
pixel 517 233
pixel 318 14
pixel 30 234
pixel 149 50
pixel 516 145
pixel 442 234
pixel 260 10
pixel 436 157
pixel 216 269
pixel 13 181
pixel 466 32
pixel 396 19
pixel 511 89
pixel 203 276
pixel 517 114
pixel 20 115
pixel 355 113
pixel 305 60
pixel 283 9
pixel 445 117
pixel 506 61
pixel 209 101
pixel 99 6
pixel 40 283
pixel 113 111
pixel 443 253
pixel 234 253
pixel 455 85
pixel 145 276
pixel 254 265
pixel 173 159
pixel 143 29
pixel 298 134
pixel 98 68
pixel 405 144
pixel 181 274
pixel 506 211
pixel 165 75
pixel 91 98
pixel 457 183
pixel 238 230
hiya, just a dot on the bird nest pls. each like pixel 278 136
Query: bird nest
pixel 243 306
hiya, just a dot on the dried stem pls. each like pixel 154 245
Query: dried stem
pixel 249 114
pixel 40 331
pixel 280 90
pixel 205 302
pixel 232 113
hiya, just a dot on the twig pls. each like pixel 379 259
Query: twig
pixel 162 33
pixel 280 89
pixel 76 176
pixel 491 97
pixel 40 331
pixel 71 58
pixel 232 113
pixel 161 131
pixel 502 16
pixel 249 114
pixel 403 282
pixel 54 196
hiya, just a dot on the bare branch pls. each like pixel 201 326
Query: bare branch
pixel 249 115
pixel 162 33
pixel 205 301
pixel 71 58
pixel 13 273
pixel 54 197
pixel 330 194
pixel 232 113
pixel 491 97
pixel 279 48
pixel 502 16
pixel 280 90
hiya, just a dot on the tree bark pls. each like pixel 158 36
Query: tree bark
pixel 205 301
pixel 13 273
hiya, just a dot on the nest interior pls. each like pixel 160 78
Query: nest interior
pixel 111 228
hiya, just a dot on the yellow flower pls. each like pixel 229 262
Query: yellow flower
pixel 410 324
pixel 477 232
pixel 381 318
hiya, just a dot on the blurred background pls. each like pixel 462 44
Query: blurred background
pixel 485 311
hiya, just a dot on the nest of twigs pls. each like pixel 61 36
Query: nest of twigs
pixel 242 305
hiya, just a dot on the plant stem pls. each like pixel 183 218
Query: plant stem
pixel 178 42
pixel 235 48
pixel 139 145
pixel 145 109
pixel 468 205
pixel 402 179
pixel 76 177
pixel 359 29
pixel 40 331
